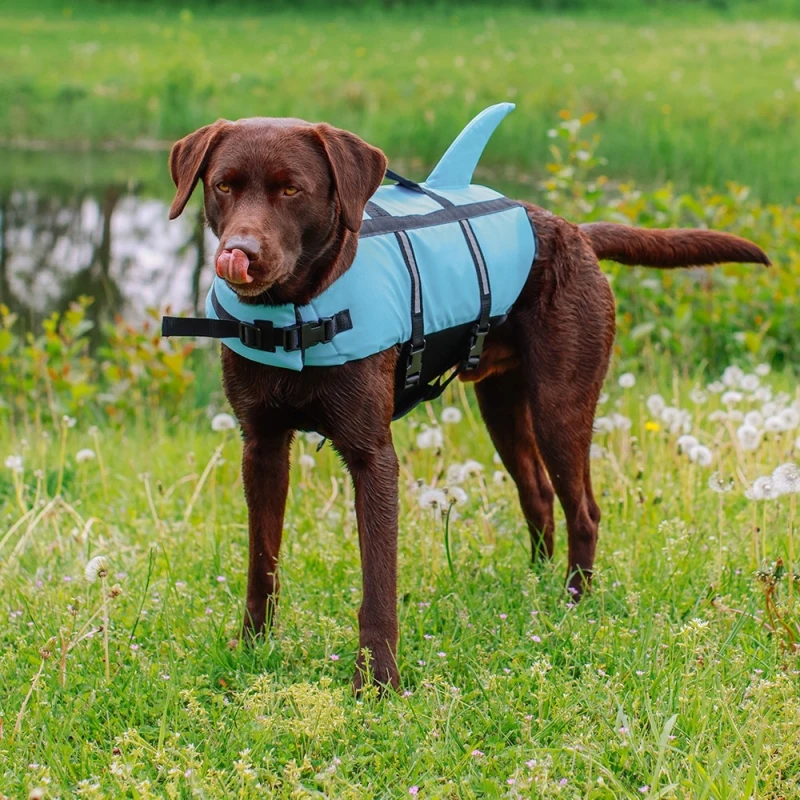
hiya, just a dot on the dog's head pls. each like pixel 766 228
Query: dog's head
pixel 282 195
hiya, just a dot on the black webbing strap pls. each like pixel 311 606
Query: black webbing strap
pixel 417 344
pixel 481 327
pixel 260 334
pixel 406 183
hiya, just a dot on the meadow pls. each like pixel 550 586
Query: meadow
pixel 123 527
pixel 688 94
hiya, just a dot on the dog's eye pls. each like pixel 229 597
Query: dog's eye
pixel 223 187
pixel 290 190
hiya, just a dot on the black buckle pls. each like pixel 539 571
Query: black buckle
pixel 476 343
pixel 414 366
pixel 301 337
pixel 250 335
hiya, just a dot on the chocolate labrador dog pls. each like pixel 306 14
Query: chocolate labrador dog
pixel 286 198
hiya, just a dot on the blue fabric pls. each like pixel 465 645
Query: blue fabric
pixel 377 287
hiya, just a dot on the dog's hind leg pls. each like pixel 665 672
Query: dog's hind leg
pixel 505 406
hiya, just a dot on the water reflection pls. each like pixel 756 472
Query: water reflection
pixel 110 243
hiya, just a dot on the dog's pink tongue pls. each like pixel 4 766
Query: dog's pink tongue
pixel 233 265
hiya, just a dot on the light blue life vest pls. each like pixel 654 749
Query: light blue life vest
pixel 436 261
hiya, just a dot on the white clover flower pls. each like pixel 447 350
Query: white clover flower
pixel 762 370
pixel 774 424
pixel 306 461
pixel 655 404
pixel 687 442
pixel 451 415
pixel 14 463
pixel 754 418
pixel 432 498
pixel 223 422
pixel 698 396
pixel 731 398
pixel 430 438
pixel 627 380
pixel 749 437
pixel 603 425
pixel 84 455
pixel 749 383
pixel 701 455
pixel 716 387
pixel 96 568
pixel 790 418
pixel 596 452
pixel 621 421
pixel 456 495
pixel 500 477
pixel 313 438
pixel 732 376
pixel 786 479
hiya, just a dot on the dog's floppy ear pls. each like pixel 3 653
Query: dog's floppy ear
pixel 187 160
pixel 357 168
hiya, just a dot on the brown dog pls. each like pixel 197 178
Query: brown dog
pixel 286 198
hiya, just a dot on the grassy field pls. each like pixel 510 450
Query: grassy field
pixel 693 96
pixel 676 678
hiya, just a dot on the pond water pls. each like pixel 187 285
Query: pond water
pixel 76 224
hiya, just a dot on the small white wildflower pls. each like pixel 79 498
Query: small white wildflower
pixel 627 380
pixel 698 396
pixel 306 461
pixel 84 455
pixel 718 416
pixel 314 438
pixel 749 383
pixel 717 484
pixel 223 422
pixel 471 467
pixel 790 418
pixel 655 404
pixel 603 425
pixel 763 394
pixel 701 455
pixel 451 415
pixel 670 415
pixel 621 421
pixel 68 422
pixel 687 442
pixel 754 418
pixel 430 438
pixel 774 424
pixel 456 495
pixel 499 476
pixel 596 452
pixel 786 479
pixel 731 398
pixel 762 370
pixel 762 489
pixel 770 409
pixel 96 568
pixel 14 463
pixel 732 376
pixel 455 474
pixel 716 387
pixel 603 399
pixel 432 498
pixel 749 437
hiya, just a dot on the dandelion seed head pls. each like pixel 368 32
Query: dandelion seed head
pixel 701 455
pixel 687 442
pixel 719 484
pixel 84 455
pixel 627 380
pixel 655 404
pixel 732 397
pixel 306 461
pixel 222 422
pixel 749 436
pixel 96 568
pixel 432 499
pixel 14 463
pixel 732 376
pixel 774 424
pixel 430 438
pixel 313 438
pixel 786 479
pixel 498 476
pixel 451 415
pixel 762 370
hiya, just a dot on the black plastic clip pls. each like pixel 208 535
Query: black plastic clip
pixel 414 366
pixel 476 342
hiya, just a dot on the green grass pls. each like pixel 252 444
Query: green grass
pixel 692 96
pixel 664 677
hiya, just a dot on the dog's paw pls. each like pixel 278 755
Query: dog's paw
pixel 376 667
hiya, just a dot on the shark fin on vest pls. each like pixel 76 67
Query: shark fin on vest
pixel 455 168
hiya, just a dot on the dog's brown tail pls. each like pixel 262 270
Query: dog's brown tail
pixel 671 247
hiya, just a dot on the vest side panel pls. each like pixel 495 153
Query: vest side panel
pixel 377 291
pixel 281 316
pixel 508 245
pixel 400 202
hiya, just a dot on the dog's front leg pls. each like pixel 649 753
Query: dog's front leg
pixel 265 472
pixel 375 473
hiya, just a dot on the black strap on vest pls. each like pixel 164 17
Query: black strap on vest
pixel 481 327
pixel 259 334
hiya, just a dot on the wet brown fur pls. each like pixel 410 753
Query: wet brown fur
pixel 537 384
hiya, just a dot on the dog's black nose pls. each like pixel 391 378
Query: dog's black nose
pixel 247 244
